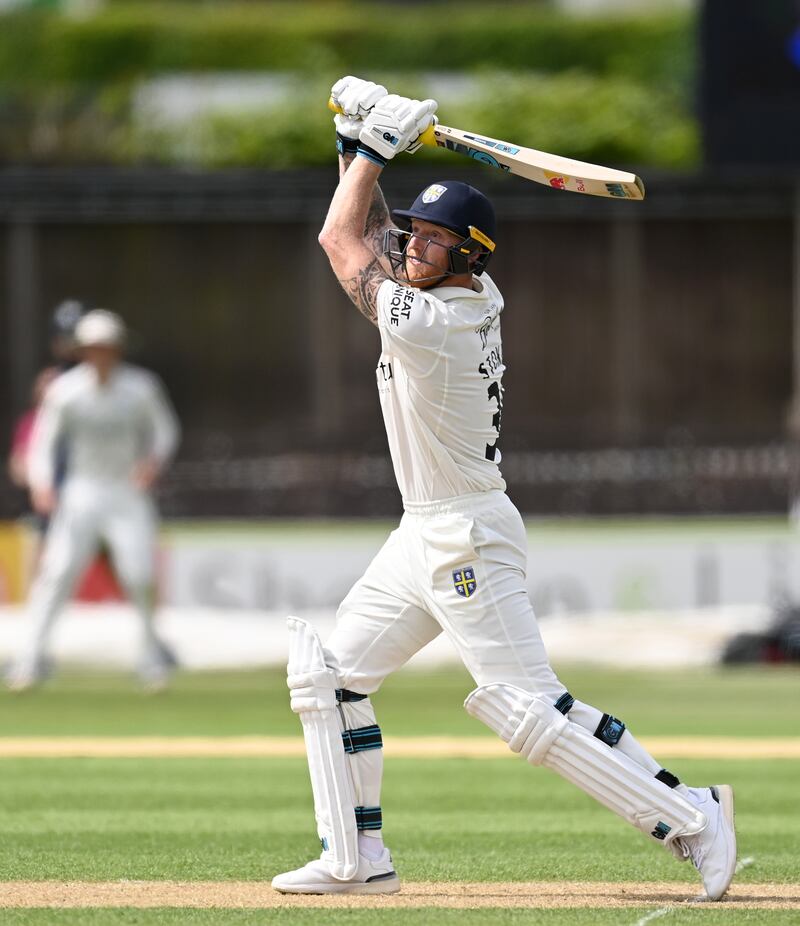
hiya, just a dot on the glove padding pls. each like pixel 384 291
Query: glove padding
pixel 355 97
pixel 395 124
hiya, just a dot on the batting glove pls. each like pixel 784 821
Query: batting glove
pixel 355 97
pixel 395 124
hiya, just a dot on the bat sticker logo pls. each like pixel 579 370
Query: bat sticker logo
pixel 556 180
pixel 491 143
pixel 481 156
pixel 485 158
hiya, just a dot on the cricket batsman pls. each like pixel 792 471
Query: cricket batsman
pixel 457 561
pixel 119 431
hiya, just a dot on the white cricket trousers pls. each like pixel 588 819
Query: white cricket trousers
pixel 409 594
pixel 88 514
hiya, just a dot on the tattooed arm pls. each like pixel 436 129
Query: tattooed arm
pixel 378 219
pixel 348 236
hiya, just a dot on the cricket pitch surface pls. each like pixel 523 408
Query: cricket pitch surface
pixel 450 894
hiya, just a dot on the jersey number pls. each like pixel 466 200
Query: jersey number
pixel 494 393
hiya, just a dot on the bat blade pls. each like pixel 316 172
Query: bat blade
pixel 549 169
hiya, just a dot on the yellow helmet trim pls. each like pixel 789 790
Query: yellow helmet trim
pixel 479 236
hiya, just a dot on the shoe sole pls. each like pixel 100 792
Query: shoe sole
pixel 387 886
pixel 725 795
pixel 21 688
pixel 23 685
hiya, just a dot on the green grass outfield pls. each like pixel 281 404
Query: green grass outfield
pixel 243 819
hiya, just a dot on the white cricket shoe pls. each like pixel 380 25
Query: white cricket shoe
pixel 713 850
pixel 23 676
pixel 372 877
pixel 157 668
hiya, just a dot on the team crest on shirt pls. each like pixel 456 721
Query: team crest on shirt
pixel 464 581
pixel 434 191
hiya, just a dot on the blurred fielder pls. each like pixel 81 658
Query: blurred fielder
pixel 119 431
pixel 457 561
pixel 63 351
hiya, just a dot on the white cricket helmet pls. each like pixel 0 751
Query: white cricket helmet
pixel 100 328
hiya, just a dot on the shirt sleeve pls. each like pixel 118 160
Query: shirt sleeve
pixel 21 439
pixel 48 428
pixel 413 324
pixel 164 425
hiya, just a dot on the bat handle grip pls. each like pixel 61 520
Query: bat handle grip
pixel 428 137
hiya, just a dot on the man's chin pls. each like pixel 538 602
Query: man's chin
pixel 425 282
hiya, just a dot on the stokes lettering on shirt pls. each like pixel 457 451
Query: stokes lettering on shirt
pixel 491 363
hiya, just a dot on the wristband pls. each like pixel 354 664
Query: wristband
pixel 364 151
pixel 346 145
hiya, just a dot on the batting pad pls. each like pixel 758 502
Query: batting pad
pixel 532 726
pixel 313 696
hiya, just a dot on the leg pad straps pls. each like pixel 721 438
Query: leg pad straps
pixel 369 818
pixel 533 727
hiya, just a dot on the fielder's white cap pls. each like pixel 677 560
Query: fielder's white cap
pixel 100 328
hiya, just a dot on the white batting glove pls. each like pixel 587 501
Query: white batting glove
pixel 395 124
pixel 355 97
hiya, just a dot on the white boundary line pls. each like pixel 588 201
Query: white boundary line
pixel 664 911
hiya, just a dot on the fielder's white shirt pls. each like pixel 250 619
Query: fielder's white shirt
pixel 439 380
pixel 107 428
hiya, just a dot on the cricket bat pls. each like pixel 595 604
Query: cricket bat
pixel 539 166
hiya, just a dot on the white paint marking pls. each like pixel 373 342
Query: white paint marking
pixel 701 898
pixel 662 911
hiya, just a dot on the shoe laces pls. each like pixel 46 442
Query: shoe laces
pixel 694 850
pixel 679 849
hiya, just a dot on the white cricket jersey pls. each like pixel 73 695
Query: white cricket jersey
pixel 439 379
pixel 106 428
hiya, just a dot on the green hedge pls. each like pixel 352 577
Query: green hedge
pixel 127 41
pixel 607 120
pixel 608 89
pixel 611 121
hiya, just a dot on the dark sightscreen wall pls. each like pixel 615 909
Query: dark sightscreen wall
pixel 655 325
pixel 750 82
pixel 232 319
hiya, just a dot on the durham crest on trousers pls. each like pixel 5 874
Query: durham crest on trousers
pixel 464 581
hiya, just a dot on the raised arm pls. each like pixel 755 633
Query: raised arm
pixel 378 218
pixel 48 428
pixel 352 235
pixel 344 237
pixel 356 97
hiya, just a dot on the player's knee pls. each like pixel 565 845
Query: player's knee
pixel 360 732
pixel 528 724
pixel 57 570
pixel 312 690
pixel 138 585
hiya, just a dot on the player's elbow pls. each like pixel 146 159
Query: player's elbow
pixel 335 244
pixel 329 240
